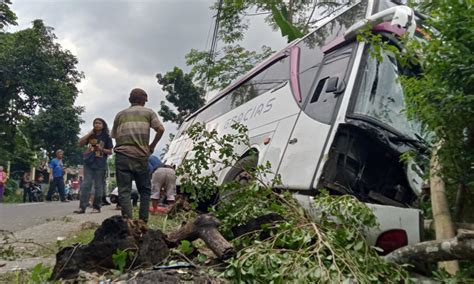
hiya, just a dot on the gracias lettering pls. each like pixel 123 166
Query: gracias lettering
pixel 250 113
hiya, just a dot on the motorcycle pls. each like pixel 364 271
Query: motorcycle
pixel 37 194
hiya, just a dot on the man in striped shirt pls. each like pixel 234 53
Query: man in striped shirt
pixel 131 132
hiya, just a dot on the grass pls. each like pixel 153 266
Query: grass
pixel 19 276
pixel 165 223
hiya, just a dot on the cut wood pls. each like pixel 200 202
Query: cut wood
pixel 204 227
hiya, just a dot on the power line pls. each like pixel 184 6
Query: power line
pixel 216 31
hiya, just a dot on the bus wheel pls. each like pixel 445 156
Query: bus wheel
pixel 238 172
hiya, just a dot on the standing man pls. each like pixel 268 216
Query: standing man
pixel 56 177
pixel 131 131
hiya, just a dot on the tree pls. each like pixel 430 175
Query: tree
pixel 182 93
pixel 7 16
pixel 38 90
pixel 443 97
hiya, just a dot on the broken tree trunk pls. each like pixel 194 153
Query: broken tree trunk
pixel 204 227
pixel 443 223
pixel 459 248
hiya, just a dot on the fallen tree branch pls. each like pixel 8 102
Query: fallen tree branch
pixel 460 247
pixel 205 228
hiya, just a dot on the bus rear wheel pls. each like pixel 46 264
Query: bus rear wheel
pixel 238 173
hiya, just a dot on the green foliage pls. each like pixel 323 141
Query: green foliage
pixel 186 247
pixel 297 249
pixel 7 16
pixel 182 93
pixel 441 94
pixel 121 257
pixel 227 65
pixel 38 86
pixel 40 273
pixel 211 153
pixel 443 97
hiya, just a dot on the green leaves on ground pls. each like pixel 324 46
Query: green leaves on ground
pixel 295 249
pixel 186 247
pixel 41 273
pixel 121 257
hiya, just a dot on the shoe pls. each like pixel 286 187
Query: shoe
pixel 80 211
pixel 94 211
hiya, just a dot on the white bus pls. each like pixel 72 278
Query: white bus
pixel 326 114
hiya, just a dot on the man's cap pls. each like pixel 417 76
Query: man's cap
pixel 138 93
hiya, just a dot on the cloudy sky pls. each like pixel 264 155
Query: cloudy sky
pixel 122 44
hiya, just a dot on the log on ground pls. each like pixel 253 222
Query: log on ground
pixel 204 227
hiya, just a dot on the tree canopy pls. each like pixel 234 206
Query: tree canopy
pixel 7 16
pixel 442 96
pixel 182 93
pixel 38 89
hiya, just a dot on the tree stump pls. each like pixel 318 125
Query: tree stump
pixel 115 233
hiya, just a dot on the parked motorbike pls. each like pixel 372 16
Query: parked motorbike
pixel 36 193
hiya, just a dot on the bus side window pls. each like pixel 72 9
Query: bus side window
pixel 274 76
pixel 323 103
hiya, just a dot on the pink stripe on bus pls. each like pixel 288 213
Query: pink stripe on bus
pixel 294 67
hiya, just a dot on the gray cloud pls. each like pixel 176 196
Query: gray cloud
pixel 123 44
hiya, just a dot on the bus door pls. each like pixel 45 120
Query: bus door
pixel 315 121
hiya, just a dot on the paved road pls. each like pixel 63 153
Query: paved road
pixel 19 216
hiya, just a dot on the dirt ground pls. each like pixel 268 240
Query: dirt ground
pixel 49 233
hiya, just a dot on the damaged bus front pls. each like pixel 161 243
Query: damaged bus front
pixel 326 114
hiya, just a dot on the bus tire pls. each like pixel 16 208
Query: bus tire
pixel 238 174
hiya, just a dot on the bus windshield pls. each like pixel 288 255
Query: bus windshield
pixel 380 95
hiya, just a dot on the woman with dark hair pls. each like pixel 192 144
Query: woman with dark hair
pixel 99 146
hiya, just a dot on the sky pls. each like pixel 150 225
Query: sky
pixel 123 44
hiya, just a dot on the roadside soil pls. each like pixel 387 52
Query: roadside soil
pixel 49 233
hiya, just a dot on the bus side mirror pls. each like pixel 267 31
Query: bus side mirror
pixel 334 85
pixel 399 16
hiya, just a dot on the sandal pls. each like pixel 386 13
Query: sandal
pixel 80 211
pixel 95 211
